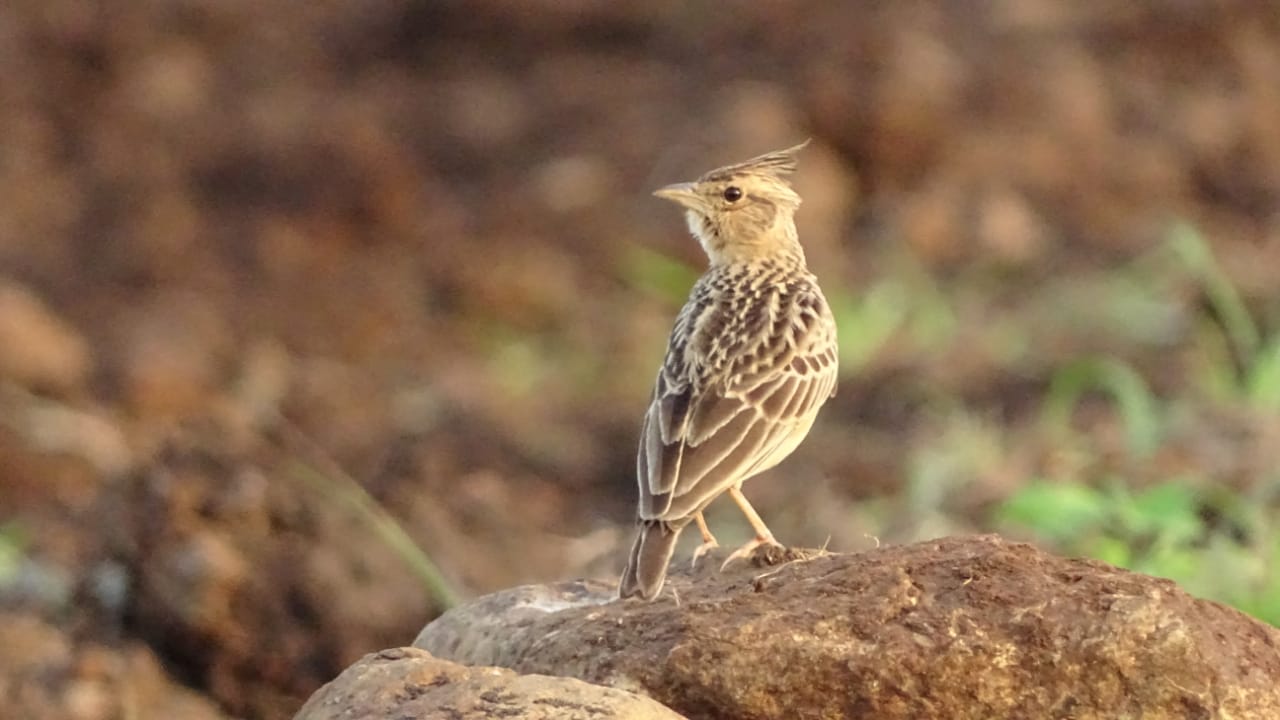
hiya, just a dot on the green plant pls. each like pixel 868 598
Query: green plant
pixel 335 483
pixel 1243 358
pixel 345 489
pixel 1126 387
pixel 864 324
pixel 663 275
pixel 12 550
pixel 1165 530
pixel 908 303
pixel 1221 545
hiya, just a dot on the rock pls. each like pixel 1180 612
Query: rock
pixel 480 632
pixel 172 356
pixel 44 674
pixel 968 627
pixel 39 349
pixel 410 683
pixel 50 428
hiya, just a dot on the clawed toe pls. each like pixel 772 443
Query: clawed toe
pixel 747 549
pixel 703 549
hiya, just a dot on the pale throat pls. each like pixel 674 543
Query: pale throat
pixel 778 241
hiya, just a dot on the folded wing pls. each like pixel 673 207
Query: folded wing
pixel 697 441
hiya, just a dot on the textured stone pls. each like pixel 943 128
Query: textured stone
pixel 410 683
pixel 38 348
pixel 971 627
pixel 45 673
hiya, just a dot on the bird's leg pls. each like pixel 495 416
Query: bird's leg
pixel 763 535
pixel 708 540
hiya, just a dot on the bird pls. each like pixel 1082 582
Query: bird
pixel 751 359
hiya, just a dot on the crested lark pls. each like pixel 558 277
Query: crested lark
pixel 751 359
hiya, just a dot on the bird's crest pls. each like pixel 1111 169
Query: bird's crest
pixel 776 163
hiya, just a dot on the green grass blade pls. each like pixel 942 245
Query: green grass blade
pixel 1126 387
pixel 1263 381
pixel 1190 246
pixel 349 492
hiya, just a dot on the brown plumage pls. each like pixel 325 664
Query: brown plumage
pixel 750 361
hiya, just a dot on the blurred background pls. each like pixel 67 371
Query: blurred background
pixel 317 317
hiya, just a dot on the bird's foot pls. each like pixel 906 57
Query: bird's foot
pixel 747 549
pixel 706 547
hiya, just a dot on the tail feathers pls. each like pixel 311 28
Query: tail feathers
pixel 647 567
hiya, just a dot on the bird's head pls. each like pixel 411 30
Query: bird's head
pixel 744 211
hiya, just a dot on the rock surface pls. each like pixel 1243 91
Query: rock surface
pixel 969 627
pixel 45 673
pixel 38 348
pixel 410 683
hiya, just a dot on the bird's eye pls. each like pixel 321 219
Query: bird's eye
pixel 733 193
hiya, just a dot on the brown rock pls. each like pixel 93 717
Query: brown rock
pixel 410 683
pixel 172 357
pixel 970 627
pixel 38 349
pixel 43 674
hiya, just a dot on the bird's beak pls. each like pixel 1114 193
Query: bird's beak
pixel 681 193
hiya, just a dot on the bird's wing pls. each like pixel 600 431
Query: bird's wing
pixel 698 438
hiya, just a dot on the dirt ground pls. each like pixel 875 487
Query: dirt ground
pixel 264 262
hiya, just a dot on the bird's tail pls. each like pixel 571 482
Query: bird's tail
pixel 647 567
